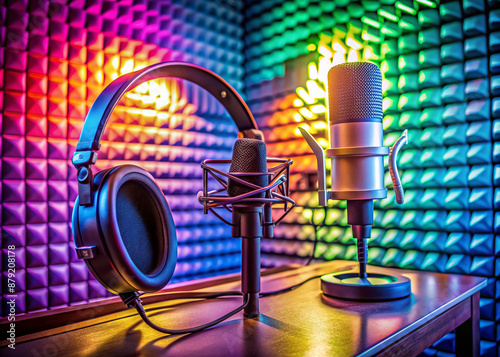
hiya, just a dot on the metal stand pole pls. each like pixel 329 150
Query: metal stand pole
pixel 250 274
pixel 247 224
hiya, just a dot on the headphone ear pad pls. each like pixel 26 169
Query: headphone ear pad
pixel 131 228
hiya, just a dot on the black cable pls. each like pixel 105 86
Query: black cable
pixel 176 295
pixel 293 287
pixel 311 257
pixel 210 295
pixel 290 288
pixel 187 295
pixel 142 313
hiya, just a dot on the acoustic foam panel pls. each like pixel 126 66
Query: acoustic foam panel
pixel 55 58
pixel 440 64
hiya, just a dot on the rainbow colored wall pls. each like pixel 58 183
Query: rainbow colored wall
pixel 51 74
pixel 441 68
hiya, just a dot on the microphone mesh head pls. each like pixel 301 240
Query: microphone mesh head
pixel 249 155
pixel 355 92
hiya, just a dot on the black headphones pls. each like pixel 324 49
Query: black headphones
pixel 122 224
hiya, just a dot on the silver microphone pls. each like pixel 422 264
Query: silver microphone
pixel 356 133
pixel 356 136
pixel 356 147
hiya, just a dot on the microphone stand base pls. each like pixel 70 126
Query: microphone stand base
pixel 376 287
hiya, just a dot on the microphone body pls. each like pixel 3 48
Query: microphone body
pixel 356 141
pixel 356 137
pixel 360 177
pixel 249 155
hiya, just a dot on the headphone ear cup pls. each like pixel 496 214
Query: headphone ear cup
pixel 128 230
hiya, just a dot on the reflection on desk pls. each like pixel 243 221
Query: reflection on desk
pixel 302 322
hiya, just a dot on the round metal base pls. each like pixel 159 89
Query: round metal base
pixel 376 287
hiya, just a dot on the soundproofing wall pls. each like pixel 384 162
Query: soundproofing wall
pixel 441 68
pixel 55 58
pixel 441 81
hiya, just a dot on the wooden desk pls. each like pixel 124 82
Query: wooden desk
pixel 299 323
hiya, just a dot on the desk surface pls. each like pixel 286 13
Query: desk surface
pixel 302 322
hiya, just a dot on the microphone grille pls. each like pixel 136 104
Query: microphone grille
pixel 249 155
pixel 355 92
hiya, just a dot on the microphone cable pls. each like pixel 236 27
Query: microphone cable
pixel 137 304
pixel 316 226
pixel 140 309
pixel 178 295
pixel 134 300
pixel 290 288
pixel 293 287
pixel 193 295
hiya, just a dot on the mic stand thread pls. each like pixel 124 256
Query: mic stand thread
pixel 362 257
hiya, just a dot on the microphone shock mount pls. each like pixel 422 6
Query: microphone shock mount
pixel 251 215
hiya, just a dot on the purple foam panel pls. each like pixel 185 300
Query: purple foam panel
pixel 37 277
pixel 37 256
pixel 79 292
pixel 58 274
pixel 49 77
pixel 58 295
pixel 36 234
pixel 37 299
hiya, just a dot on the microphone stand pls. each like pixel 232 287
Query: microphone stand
pixel 360 285
pixel 252 217
pixel 247 224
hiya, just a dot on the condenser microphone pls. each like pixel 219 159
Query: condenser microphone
pixel 356 141
pixel 355 108
pixel 356 152
pixel 249 155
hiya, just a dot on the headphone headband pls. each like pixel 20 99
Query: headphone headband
pixel 101 110
pixel 103 106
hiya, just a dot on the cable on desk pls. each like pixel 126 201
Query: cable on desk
pixel 133 300
pixel 293 287
pixel 213 295
pixel 188 295
pixel 199 295
pixel 290 288
pixel 140 309
pixel 210 295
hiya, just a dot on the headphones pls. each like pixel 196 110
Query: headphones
pixel 122 224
